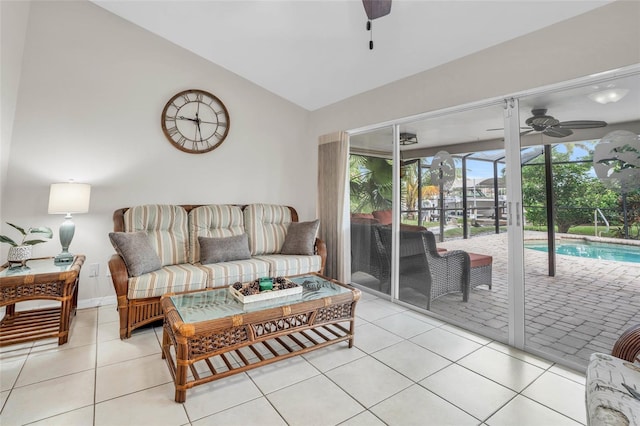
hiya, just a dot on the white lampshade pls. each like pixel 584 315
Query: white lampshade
pixel 69 197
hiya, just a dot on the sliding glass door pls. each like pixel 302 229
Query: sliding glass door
pixel 496 217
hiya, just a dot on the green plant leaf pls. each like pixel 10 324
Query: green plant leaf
pixel 21 230
pixel 32 242
pixel 42 230
pixel 4 239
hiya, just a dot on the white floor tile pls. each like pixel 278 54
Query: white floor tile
pixel 219 395
pixel 412 360
pixel 15 351
pixel 465 333
pixel 79 417
pixel 153 406
pixel 333 356
pixel 368 380
pixel 469 391
pixel 425 318
pixel 446 344
pixel 108 331
pixel 140 374
pixel 418 406
pixel 140 345
pixel 108 313
pixel 371 338
pixel 85 318
pixel 56 363
pixel 375 309
pixel 256 412
pixel 3 398
pixel 403 325
pixel 53 397
pixel 521 355
pixel 80 336
pixel 560 394
pixel 9 370
pixel 280 374
pixel 316 401
pixel 504 369
pixel 522 411
pixel 576 376
pixel 366 418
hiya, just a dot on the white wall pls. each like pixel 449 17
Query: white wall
pixel 92 90
pixel 603 39
pixel 13 26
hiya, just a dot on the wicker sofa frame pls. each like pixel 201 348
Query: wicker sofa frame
pixel 135 313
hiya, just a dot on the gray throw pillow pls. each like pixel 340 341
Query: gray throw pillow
pixel 214 250
pixel 301 238
pixel 137 252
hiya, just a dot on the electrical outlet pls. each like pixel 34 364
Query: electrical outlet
pixel 94 270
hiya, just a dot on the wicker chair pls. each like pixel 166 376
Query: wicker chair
pixel 424 269
pixel 369 265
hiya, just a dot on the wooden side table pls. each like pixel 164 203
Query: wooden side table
pixel 40 280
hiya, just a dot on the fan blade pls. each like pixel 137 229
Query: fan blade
pixel 581 124
pixel 526 132
pixel 556 132
pixel 376 8
pixel 502 128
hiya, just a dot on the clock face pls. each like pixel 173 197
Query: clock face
pixel 195 121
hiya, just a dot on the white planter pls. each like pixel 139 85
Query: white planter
pixel 19 254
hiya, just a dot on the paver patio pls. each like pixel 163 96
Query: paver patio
pixel 583 309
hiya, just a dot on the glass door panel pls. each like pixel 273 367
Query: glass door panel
pixel 578 298
pixel 371 201
pixel 452 242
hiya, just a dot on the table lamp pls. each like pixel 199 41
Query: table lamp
pixel 67 198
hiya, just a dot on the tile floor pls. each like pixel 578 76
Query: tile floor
pixel 405 369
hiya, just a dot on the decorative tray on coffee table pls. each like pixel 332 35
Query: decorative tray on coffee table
pixel 251 291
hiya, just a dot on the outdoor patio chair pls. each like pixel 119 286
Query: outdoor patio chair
pixel 426 270
pixel 369 265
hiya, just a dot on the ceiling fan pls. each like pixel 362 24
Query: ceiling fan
pixel 550 126
pixel 375 9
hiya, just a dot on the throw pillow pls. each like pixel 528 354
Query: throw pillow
pixel 385 217
pixel 301 238
pixel 214 250
pixel 137 252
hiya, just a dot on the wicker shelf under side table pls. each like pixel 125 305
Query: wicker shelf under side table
pixel 42 280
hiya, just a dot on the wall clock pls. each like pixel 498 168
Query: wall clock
pixel 195 121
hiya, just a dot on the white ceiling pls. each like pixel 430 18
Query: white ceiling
pixel 315 53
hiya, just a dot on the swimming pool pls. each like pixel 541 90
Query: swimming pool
pixel 590 249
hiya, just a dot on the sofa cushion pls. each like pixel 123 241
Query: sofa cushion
pixel 301 238
pixel 171 278
pixel 136 251
pixel 215 220
pixel 612 391
pixel 226 273
pixel 214 250
pixel 167 227
pixel 282 265
pixel 266 225
pixel 385 217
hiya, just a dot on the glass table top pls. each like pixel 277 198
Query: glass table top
pixel 220 303
pixel 35 267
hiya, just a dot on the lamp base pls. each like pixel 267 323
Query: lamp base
pixel 63 259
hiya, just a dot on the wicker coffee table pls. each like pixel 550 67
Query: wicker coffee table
pixel 212 335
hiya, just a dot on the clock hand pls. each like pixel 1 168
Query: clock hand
pixel 180 117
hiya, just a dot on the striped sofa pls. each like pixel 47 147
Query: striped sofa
pixel 173 232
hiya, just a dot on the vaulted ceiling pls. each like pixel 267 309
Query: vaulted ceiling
pixel 315 53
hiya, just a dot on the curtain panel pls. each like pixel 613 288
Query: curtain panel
pixel 333 155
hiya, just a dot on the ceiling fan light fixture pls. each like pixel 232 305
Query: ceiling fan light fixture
pixel 408 138
pixel 609 95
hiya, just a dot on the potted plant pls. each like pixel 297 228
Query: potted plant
pixel 20 253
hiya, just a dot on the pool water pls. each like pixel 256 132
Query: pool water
pixel 592 250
